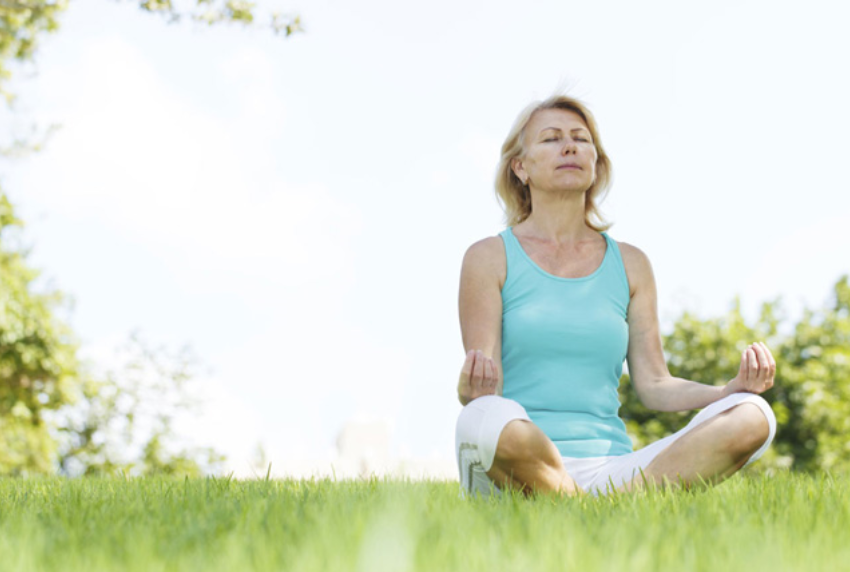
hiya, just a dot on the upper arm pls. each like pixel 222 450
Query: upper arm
pixel 480 300
pixel 645 354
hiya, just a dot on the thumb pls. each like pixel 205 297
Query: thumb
pixel 466 370
pixel 745 366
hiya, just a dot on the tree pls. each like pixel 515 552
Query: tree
pixel 53 410
pixel 38 359
pixel 123 420
pixel 57 413
pixel 24 22
pixel 811 398
pixel 217 11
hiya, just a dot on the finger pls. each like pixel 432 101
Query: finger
pixel 771 366
pixel 760 379
pixel 752 365
pixel 763 363
pixel 489 374
pixel 478 369
pixel 770 360
pixel 754 355
pixel 466 370
pixel 467 363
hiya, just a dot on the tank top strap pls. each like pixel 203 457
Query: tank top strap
pixel 511 244
pixel 513 254
pixel 619 268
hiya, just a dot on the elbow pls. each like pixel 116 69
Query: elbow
pixel 648 397
pixel 646 402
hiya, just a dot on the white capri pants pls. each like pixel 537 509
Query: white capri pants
pixel 481 422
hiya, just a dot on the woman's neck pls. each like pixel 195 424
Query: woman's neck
pixel 558 218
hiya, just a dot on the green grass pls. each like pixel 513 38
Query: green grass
pixel 751 522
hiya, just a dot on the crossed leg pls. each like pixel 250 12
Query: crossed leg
pixel 528 461
pixel 711 452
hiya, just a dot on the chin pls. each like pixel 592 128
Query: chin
pixel 571 189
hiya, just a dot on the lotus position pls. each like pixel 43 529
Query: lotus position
pixel 550 309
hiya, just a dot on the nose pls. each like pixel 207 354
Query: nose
pixel 570 147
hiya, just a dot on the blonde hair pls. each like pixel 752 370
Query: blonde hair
pixel 515 197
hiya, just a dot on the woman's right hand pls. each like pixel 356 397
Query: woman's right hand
pixel 478 376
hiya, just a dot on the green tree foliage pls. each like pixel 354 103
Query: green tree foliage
pixel 38 363
pixel 811 398
pixel 59 413
pixel 123 421
pixel 217 11
pixel 24 22
pixel 52 412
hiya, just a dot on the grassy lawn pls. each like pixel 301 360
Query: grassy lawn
pixel 752 522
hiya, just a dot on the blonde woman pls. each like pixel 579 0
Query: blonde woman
pixel 550 309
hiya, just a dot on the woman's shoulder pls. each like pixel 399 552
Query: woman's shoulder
pixel 487 256
pixel 632 252
pixel 636 263
pixel 487 247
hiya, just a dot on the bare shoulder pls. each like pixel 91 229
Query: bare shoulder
pixel 486 258
pixel 638 267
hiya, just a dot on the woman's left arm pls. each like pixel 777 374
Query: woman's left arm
pixel 656 388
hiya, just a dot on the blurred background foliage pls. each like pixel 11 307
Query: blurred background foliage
pixel 61 414
pixel 58 413
pixel 811 398
pixel 24 22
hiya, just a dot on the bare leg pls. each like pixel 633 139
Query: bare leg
pixel 527 460
pixel 711 452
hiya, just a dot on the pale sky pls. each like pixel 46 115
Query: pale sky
pixel 297 210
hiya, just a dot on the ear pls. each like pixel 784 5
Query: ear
pixel 518 169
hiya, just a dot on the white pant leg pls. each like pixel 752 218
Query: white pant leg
pixel 479 426
pixel 624 468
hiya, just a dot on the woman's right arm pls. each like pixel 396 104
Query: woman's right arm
pixel 480 303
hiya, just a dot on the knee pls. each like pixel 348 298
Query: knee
pixel 514 441
pixel 752 425
pixel 521 441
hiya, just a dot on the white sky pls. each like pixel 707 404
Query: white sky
pixel 297 210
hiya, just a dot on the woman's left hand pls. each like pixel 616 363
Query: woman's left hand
pixel 756 372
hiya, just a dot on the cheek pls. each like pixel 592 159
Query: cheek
pixel 530 163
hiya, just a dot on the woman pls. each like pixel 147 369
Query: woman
pixel 550 308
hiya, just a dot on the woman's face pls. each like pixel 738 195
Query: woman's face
pixel 559 152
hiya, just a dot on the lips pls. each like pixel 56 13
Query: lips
pixel 570 166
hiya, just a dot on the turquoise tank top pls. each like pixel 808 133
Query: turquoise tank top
pixel 564 341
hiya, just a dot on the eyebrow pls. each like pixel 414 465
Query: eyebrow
pixel 573 130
